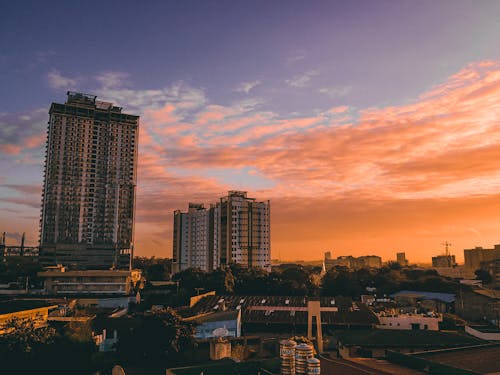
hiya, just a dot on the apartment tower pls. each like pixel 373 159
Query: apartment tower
pixel 88 201
pixel 234 230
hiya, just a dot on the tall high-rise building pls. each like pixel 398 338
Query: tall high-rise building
pixel 234 230
pixel 192 238
pixel 87 218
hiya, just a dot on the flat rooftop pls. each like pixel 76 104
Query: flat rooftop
pixel 13 306
pixel 479 359
pixel 404 338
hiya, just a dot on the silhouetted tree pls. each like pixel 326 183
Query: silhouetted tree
pixel 483 275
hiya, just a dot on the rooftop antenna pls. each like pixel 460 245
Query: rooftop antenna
pixel 447 246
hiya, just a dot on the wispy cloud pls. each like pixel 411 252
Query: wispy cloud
pixel 409 167
pixel 302 80
pixel 295 57
pixel 112 80
pixel 335 92
pixel 246 87
pixel 57 81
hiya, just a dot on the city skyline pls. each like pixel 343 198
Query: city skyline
pixel 373 128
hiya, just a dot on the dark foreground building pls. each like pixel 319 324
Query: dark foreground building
pixel 87 218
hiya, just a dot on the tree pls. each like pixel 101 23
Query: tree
pixel 159 339
pixel 483 275
pixel 27 348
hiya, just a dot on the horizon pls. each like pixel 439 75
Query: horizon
pixel 372 128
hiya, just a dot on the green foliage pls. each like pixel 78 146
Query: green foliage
pixel 25 348
pixel 161 338
pixel 153 268
pixel 19 268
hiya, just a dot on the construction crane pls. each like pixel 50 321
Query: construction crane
pixel 447 246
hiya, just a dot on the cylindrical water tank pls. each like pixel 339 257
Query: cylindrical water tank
pixel 313 366
pixel 302 353
pixel 287 355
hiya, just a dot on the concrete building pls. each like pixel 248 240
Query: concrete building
pixel 60 281
pixel 409 321
pixel 217 324
pixel 401 259
pixel 366 261
pixel 234 230
pixel 474 257
pixel 192 234
pixel 442 261
pixel 88 201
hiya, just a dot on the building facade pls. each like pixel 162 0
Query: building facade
pixel 365 261
pixel 88 201
pixel 444 261
pixel 401 259
pixel 474 257
pixel 192 238
pixel 60 281
pixel 234 230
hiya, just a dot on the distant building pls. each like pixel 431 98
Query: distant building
pixel 486 259
pixel 192 234
pixel 401 259
pixel 328 255
pixel 366 261
pixel 444 261
pixel 237 229
pixel 474 257
pixel 60 281
pixel 88 201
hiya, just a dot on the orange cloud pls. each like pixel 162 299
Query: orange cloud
pixel 378 182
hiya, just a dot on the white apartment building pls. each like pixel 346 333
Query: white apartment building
pixel 234 230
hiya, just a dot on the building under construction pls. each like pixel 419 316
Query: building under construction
pixel 20 250
pixel 87 218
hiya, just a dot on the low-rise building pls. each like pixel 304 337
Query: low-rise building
pixel 479 305
pixel 217 324
pixel 60 281
pixel 409 321
pixel 428 301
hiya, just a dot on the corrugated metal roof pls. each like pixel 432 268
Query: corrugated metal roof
pixel 444 297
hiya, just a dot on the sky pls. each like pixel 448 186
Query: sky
pixel 372 126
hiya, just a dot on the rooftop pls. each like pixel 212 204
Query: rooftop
pixel 12 306
pixel 479 359
pixel 444 297
pixel 490 293
pixel 216 317
pixel 286 310
pixel 404 338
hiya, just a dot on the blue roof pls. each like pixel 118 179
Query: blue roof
pixel 444 297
